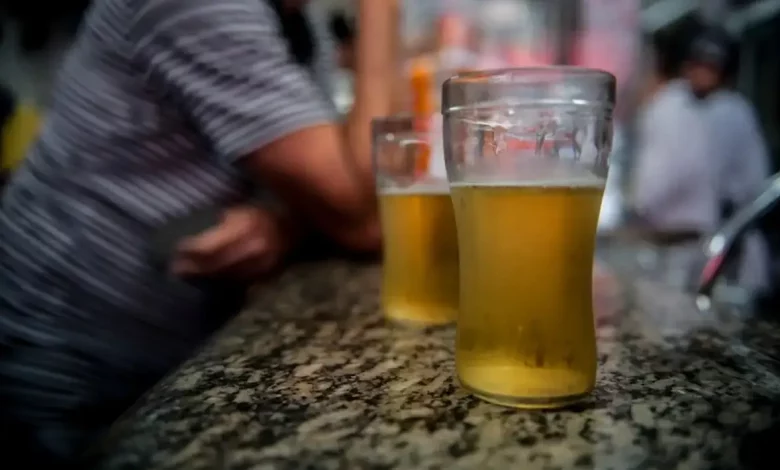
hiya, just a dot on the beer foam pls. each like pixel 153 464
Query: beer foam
pixel 534 172
pixel 576 182
pixel 424 187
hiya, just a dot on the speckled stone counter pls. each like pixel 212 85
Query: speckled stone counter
pixel 310 377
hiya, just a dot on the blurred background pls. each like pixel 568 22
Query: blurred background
pixel 437 38
pixel 35 37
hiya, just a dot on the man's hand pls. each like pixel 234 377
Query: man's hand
pixel 248 243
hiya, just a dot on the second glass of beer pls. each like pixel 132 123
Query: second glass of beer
pixel 420 268
pixel 526 153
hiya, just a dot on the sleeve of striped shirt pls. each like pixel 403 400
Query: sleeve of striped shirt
pixel 226 64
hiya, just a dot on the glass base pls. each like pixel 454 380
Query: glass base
pixel 528 403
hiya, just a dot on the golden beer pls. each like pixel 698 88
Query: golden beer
pixel 525 329
pixel 420 279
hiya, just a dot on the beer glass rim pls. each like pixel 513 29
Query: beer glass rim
pixel 546 85
pixel 523 73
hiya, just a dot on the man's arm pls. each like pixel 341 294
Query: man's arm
pixel 375 65
pixel 229 70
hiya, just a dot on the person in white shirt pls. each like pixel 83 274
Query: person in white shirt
pixel 674 190
pixel 740 153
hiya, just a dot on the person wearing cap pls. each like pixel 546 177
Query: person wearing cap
pixel 673 191
pixel 739 151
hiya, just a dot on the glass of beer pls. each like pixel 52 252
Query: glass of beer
pixel 526 153
pixel 420 269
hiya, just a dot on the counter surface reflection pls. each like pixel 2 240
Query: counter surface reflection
pixel 311 376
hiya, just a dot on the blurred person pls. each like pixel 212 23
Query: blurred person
pixel 164 109
pixel 740 152
pixel 343 31
pixel 674 192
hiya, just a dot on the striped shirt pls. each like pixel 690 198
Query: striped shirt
pixel 155 104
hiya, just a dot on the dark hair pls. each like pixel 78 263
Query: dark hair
pixel 342 29
pixel 296 31
pixel 716 47
pixel 7 104
pixel 666 49
pixel 37 22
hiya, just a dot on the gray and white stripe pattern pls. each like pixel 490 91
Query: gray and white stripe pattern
pixel 154 105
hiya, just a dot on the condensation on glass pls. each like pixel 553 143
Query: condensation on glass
pixel 547 117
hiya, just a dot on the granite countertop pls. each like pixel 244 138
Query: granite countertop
pixel 311 377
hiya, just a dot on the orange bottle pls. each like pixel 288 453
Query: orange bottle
pixel 421 81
